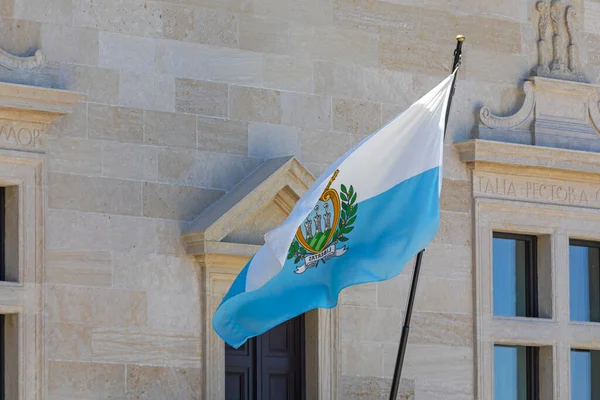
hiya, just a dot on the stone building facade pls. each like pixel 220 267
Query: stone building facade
pixel 146 146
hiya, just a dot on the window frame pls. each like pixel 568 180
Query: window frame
pixel 595 388
pixel 531 270
pixel 589 244
pixel 531 368
pixel 22 330
pixel 2 234
pixel 584 243
pixel 493 216
pixel 2 278
pixel 533 372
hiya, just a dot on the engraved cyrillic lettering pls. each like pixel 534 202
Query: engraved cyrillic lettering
pixel 8 132
pixel 576 193
pixel 480 179
pixel 543 192
pixel 20 136
pixel 24 137
pixel 511 189
pixel 572 197
pixel 552 191
pixel 562 194
pixel 528 189
pixel 489 188
pixel 36 137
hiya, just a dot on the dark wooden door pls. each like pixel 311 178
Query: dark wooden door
pixel 268 367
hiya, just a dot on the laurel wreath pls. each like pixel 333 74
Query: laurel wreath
pixel 296 251
pixel 348 216
pixel 345 225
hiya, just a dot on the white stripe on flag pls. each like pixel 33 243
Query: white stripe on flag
pixel 391 155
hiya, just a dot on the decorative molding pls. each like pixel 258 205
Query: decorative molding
pixel 26 111
pixel 573 48
pixel 512 121
pixel 553 194
pixel 35 104
pixel 554 333
pixel 560 108
pixel 329 355
pixel 558 162
pixel 280 182
pixel 12 62
pixel 594 110
pixel 554 113
pixel 24 176
pixel 216 282
pixel 544 38
pixel 558 35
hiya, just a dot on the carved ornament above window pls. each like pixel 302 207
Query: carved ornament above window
pixel 558 35
pixel 560 108
pixel 12 62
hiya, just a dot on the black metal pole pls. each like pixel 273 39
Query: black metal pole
pixel 413 287
pixel 455 64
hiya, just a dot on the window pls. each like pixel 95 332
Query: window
pixel 2 235
pixel 2 358
pixel 2 278
pixel 584 365
pixel 514 275
pixel 516 375
pixel 508 268
pixel 584 280
pixel 21 237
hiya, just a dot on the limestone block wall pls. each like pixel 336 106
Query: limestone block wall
pixel 184 100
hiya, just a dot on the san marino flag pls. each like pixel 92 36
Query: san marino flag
pixel 371 212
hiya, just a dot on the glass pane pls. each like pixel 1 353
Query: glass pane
pixel 579 283
pixel 595 373
pixel 521 278
pixel 581 375
pixel 584 283
pixel 510 277
pixel 510 373
pixel 594 260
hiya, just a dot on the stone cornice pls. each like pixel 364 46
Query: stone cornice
pixel 35 104
pixel 221 254
pixel 479 151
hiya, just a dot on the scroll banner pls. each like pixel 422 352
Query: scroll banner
pixel 327 254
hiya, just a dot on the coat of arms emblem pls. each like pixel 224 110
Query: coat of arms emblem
pixel 319 237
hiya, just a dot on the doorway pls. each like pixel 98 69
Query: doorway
pixel 268 367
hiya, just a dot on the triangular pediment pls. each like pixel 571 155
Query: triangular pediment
pixel 235 224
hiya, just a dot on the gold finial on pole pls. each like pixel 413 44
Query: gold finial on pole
pixel 460 38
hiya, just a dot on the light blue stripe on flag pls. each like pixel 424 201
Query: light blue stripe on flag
pixel 390 229
pixel 373 210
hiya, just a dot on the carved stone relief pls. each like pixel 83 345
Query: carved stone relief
pixel 512 121
pixel 12 62
pixel 558 35
pixel 555 113
pixel 560 108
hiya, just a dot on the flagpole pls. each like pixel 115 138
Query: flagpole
pixel 413 287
